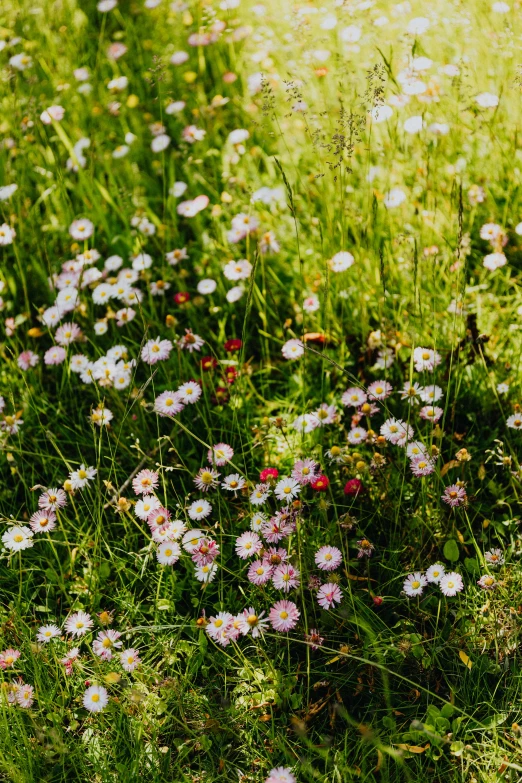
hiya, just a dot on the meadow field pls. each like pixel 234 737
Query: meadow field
pixel 261 413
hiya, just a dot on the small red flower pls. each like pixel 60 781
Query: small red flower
pixel 267 474
pixel 233 345
pixel 321 483
pixel 353 487
pixel 220 396
pixel 377 600
pixel 208 363
pixel 230 374
pixel 181 297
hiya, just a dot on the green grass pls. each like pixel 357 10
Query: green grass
pixel 401 690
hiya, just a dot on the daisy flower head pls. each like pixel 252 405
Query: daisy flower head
pixel 206 478
pixel 325 414
pixel 411 393
pixel 280 775
pixel 234 482
pixel 260 494
pixel 8 658
pixel 293 349
pixel 259 572
pixel 304 471
pixel 158 518
pixel 189 392
pixel 422 466
pixel 47 632
pixel 81 477
pixel 450 584
pixel 101 417
pixel 248 544
pixel 268 475
pixel 341 261
pixel 514 421
pixel 357 435
pixel 42 521
pixel 487 582
pixel 320 483
pixel 199 509
pixel 145 482
pixel 257 521
pixel 18 538
pixel 191 539
pixel 431 394
pixel 156 351
pixel 55 355
pixel 285 577
pixel 105 642
pixel 168 403
pixel 130 659
pixel 414 584
pixel 190 342
pixel 431 413
pixel 81 229
pixel 426 359
pixel 145 506
pixel 205 551
pixel 314 639
pixel 220 454
pixel 253 622
pixel 494 557
pixel 379 390
pixel 78 624
pixel 435 573
pixel 206 573
pixel 283 616
pixel 354 397
pixel 287 489
pixel 454 495
pixel 168 553
pixel 416 449
pixel 95 698
pixel 25 696
pixel 311 304
pixel 329 595
pixel 328 558
pixel 396 431
pixel 217 623
pixel 366 548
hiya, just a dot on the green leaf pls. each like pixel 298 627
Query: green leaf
pixel 451 550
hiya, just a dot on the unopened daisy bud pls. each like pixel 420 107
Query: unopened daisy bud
pixel 360 464
pixel 463 455
pixel 435 451
pixel 201 622
pixel 34 332
pixel 105 618
pixel 122 505
pixel 67 485
pixel 170 321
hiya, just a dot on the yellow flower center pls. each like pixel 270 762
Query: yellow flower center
pixel 415 585
pixel 95 697
pixel 18 538
pixel 283 615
